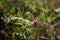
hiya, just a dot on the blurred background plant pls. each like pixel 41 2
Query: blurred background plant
pixel 16 20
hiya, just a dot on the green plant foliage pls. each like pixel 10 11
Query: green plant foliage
pixel 16 20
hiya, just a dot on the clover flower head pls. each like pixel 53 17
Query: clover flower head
pixel 35 22
pixel 57 37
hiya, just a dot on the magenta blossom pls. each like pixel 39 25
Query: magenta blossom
pixel 57 37
pixel 35 22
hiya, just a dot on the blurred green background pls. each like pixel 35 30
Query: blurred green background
pixel 16 19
